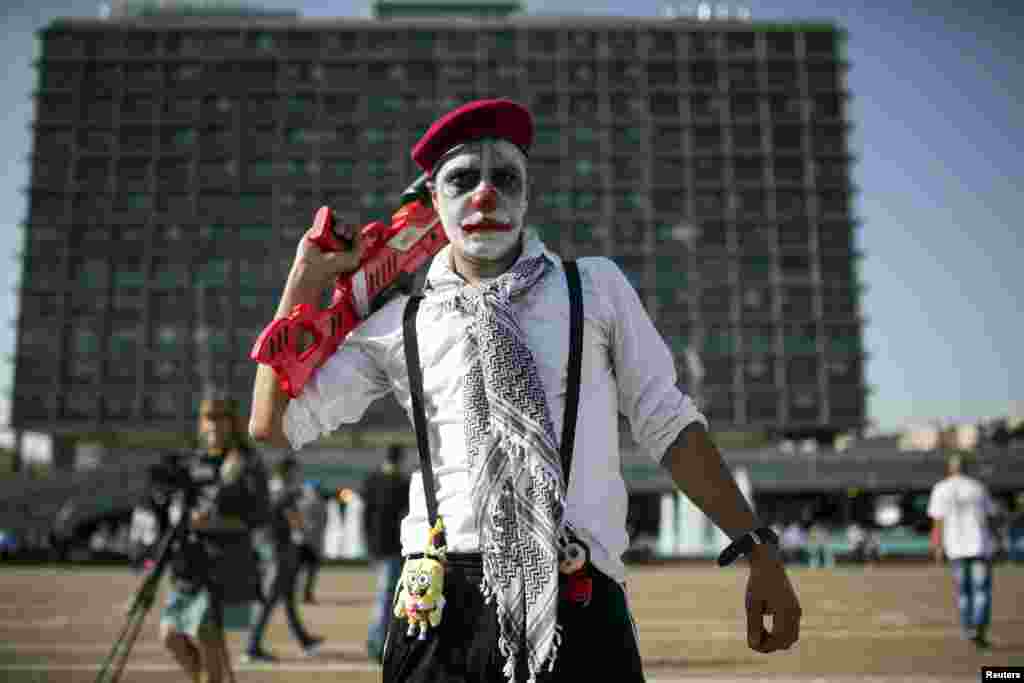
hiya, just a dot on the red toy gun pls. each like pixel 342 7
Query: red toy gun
pixel 391 256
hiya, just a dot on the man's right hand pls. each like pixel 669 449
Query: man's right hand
pixel 314 268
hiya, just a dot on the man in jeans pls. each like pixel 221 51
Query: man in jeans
pixel 962 512
pixel 386 496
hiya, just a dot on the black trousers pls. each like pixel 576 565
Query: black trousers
pixel 599 638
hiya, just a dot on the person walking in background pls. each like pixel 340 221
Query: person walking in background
pixel 280 553
pixel 313 508
pixel 963 513
pixel 1015 531
pixel 386 496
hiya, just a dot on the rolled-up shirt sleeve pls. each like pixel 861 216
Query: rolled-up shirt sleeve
pixel 645 370
pixel 341 390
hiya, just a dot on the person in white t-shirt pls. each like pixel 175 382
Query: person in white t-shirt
pixel 962 512
pixel 493 334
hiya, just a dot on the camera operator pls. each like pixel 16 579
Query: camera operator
pixel 214 568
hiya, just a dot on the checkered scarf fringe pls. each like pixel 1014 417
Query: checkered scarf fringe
pixel 518 485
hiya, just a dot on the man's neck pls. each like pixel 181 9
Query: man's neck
pixel 474 271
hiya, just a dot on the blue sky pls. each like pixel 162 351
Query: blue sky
pixel 936 108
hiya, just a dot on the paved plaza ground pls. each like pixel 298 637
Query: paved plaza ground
pixel 864 625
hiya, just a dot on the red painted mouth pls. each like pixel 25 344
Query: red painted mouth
pixel 487 226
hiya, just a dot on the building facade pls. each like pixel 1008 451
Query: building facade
pixel 178 159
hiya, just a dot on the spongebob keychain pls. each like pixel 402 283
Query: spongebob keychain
pixel 421 598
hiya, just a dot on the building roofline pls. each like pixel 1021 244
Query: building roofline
pixel 525 21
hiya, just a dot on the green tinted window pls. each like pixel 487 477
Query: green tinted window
pixel 844 344
pixel 583 232
pixel 424 40
pixel 184 136
pixel 256 232
pixel 547 231
pixel 297 136
pixel 585 200
pixel 213 273
pixel 263 41
pixel 86 341
pixel 129 276
pixel 139 200
pixel 253 200
pixel 92 274
pixel 384 104
pixel 719 342
pixel 376 136
pixel 301 104
pixel 585 135
pixel 556 200
pixel 262 168
pixel 124 341
pixel 799 344
pixel 760 343
pixel 214 231
pixel 585 167
pixel 546 136
pixel 169 276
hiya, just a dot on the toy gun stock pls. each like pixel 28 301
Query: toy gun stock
pixel 392 253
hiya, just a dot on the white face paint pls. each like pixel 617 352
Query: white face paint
pixel 480 195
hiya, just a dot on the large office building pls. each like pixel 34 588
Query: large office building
pixel 179 156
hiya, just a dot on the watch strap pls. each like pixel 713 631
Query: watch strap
pixel 743 545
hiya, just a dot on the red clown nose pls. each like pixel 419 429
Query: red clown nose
pixel 485 200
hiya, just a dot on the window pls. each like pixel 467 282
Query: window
pixel 85 340
pixel 83 370
pixel 256 232
pixel 124 341
pixel 80 404
pixel 129 275
pixel 163 404
pixel 627 137
pixel 719 340
pixel 760 339
pixel 168 274
pixel 92 274
pixel 213 272
pixel 800 338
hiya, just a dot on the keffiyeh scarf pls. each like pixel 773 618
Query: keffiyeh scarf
pixel 518 489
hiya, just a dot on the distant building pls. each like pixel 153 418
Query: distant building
pixel 708 158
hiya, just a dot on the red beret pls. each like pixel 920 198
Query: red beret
pixel 503 119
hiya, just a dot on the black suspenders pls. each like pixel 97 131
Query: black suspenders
pixel 572 397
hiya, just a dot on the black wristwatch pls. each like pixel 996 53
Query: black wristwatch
pixel 745 543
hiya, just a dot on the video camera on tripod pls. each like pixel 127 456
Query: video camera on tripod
pixel 171 480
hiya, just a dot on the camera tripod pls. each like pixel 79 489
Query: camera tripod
pixel 113 665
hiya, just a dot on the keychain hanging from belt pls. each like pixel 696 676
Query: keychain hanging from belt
pixel 421 599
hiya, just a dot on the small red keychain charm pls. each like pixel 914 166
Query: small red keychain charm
pixel 574 563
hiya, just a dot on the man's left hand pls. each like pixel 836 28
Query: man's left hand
pixel 769 592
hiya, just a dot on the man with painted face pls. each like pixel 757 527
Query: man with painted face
pixel 493 347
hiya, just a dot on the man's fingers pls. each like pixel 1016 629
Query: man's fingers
pixel 756 633
pixel 785 631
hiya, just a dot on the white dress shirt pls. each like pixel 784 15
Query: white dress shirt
pixel 627 368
